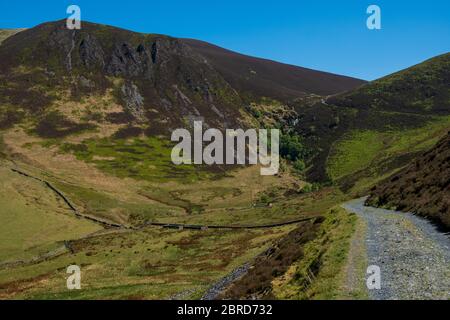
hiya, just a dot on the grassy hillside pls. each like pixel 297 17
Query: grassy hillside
pixel 368 132
pixel 33 219
pixel 149 264
pixel 424 88
pixel 361 157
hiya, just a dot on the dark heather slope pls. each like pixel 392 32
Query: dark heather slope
pixel 424 89
pixel 262 77
pixel 423 187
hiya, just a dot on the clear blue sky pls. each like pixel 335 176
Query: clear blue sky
pixel 325 35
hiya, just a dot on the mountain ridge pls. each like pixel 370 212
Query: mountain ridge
pixel 289 76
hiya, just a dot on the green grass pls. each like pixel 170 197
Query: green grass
pixel 33 220
pixel 149 264
pixel 360 150
pixel 283 209
pixel 355 152
pixel 142 159
pixel 108 206
pixel 320 273
pixel 152 263
pixel 2 147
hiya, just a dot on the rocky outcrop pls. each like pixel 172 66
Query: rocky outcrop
pixel 91 52
pixel 133 101
pixel 65 42
pixel 127 61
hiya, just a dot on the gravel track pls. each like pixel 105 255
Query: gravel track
pixel 414 257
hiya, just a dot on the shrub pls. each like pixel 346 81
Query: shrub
pixel 299 165
pixel 291 147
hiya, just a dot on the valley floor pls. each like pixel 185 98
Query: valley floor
pixel 413 256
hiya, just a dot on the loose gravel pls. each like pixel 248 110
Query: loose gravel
pixel 413 255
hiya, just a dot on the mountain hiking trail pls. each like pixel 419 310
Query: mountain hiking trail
pixel 413 255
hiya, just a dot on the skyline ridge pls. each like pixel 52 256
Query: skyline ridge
pixel 330 35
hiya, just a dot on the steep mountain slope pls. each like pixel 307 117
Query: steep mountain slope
pixel 161 82
pixel 423 187
pixel 261 77
pixel 155 78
